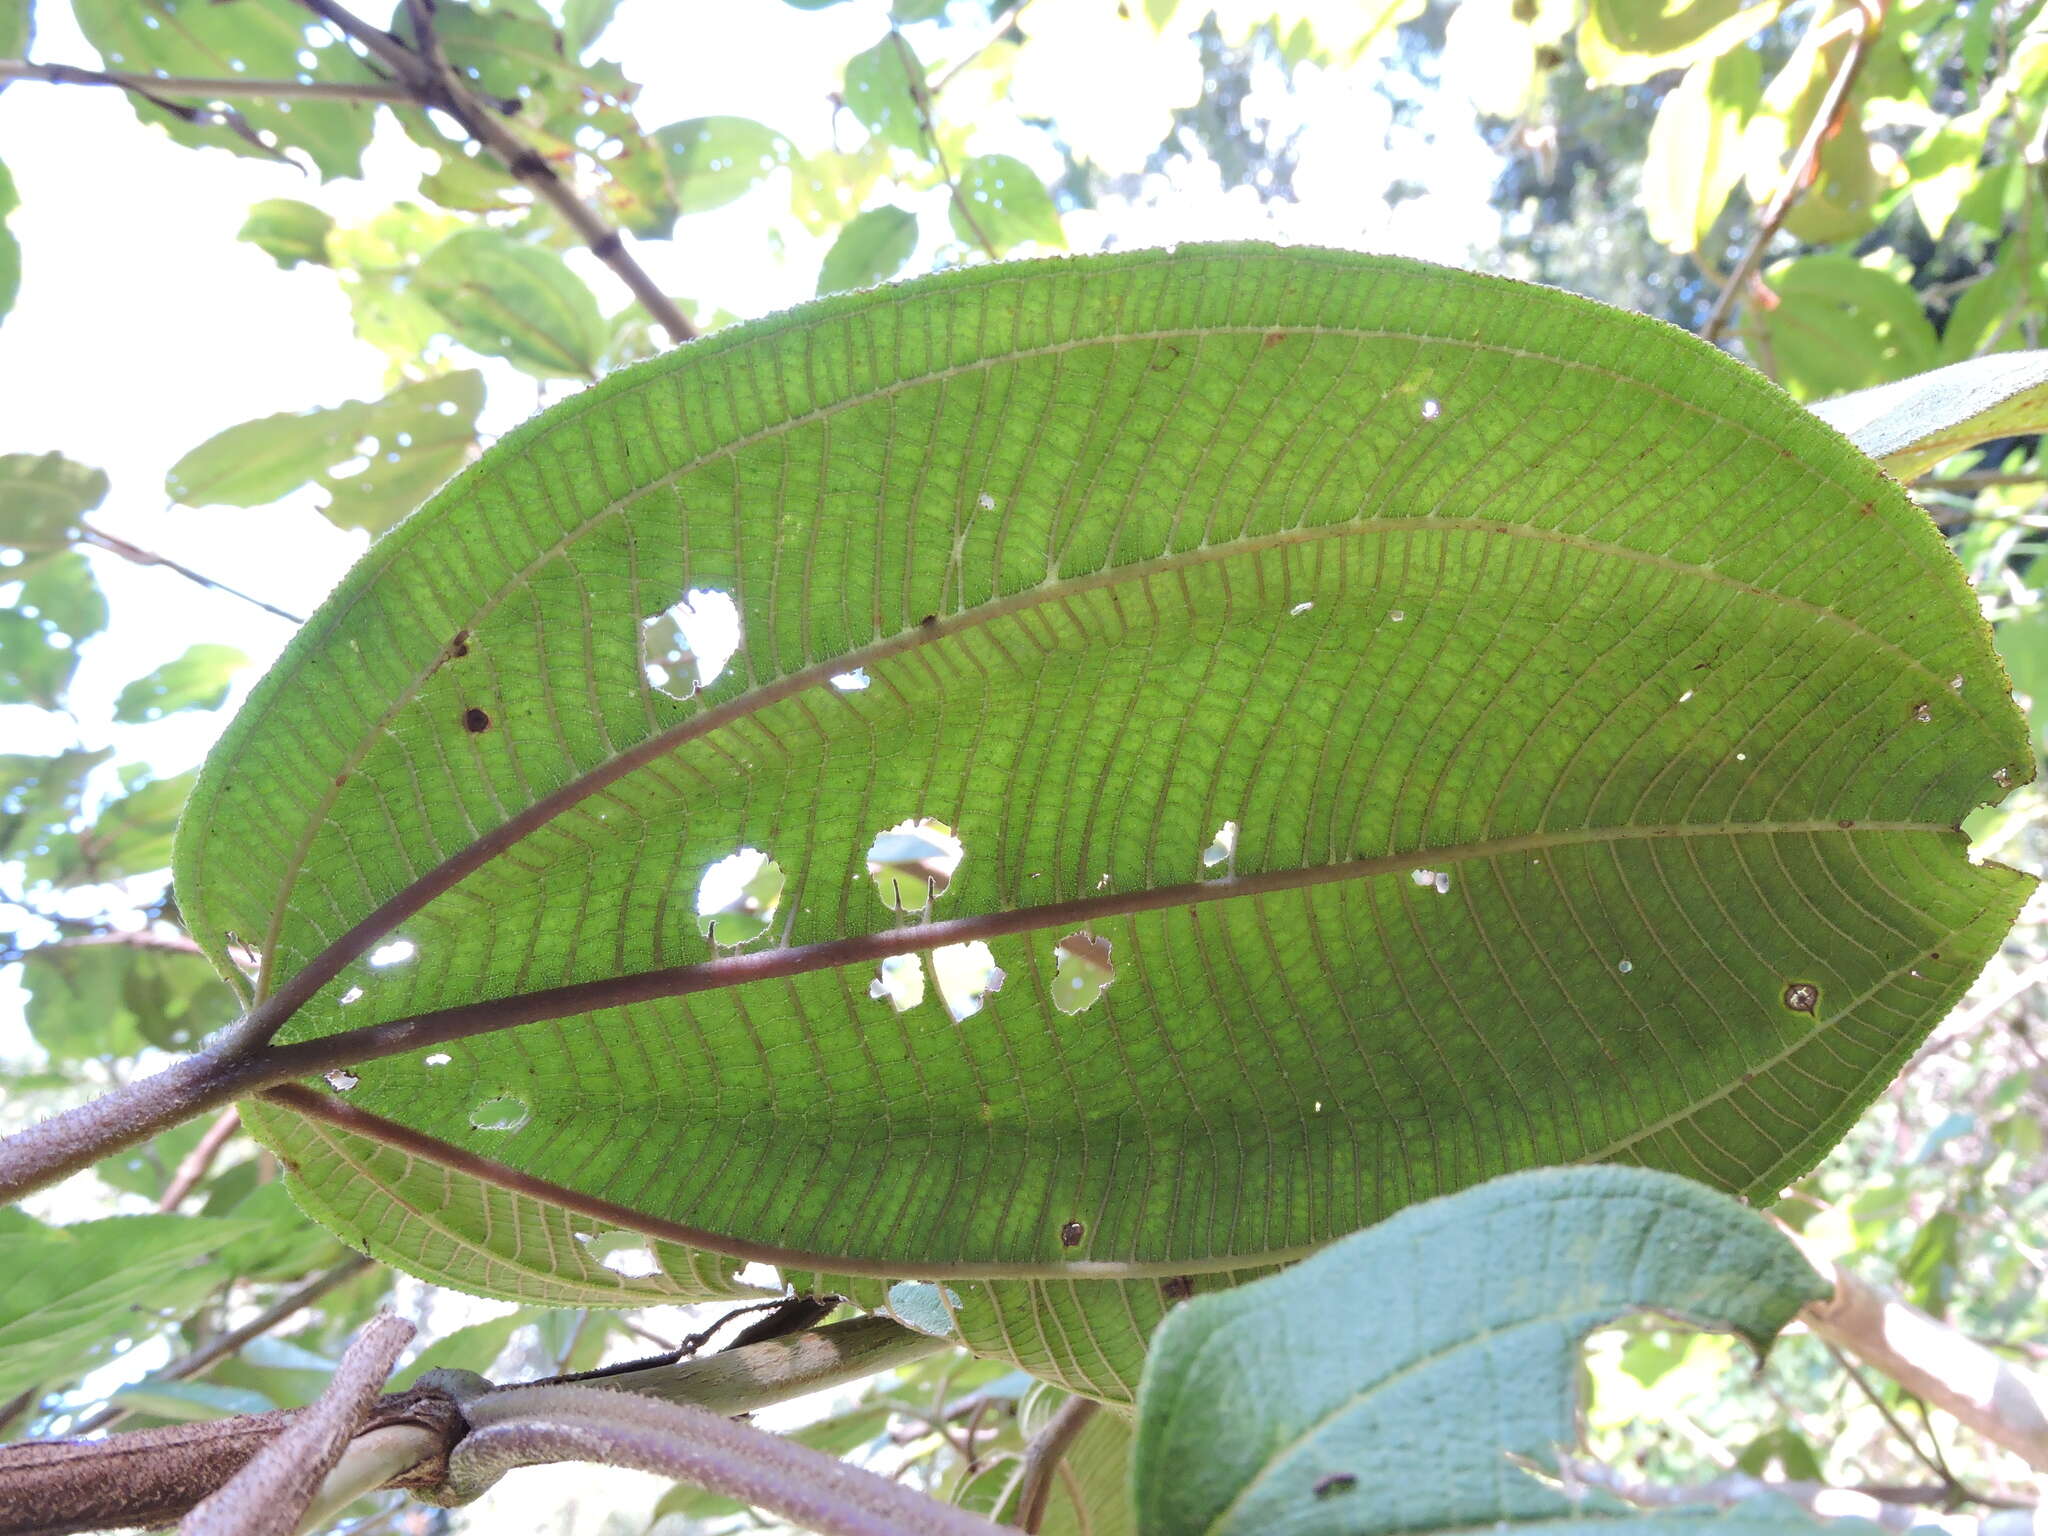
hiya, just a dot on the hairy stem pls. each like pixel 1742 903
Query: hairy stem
pixel 530 1426
pixel 268 1496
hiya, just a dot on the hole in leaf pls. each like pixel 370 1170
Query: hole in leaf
pixel 397 952
pixel 852 682
pixel 1396 616
pixel 438 1059
pixel 967 975
pixel 914 861
pixel 341 1080
pixel 353 994
pixel 1224 849
pixel 1081 972
pixel 502 1113
pixel 1431 410
pixel 686 647
pixel 1299 609
pixel 1923 713
pixel 899 980
pixel 737 898
pixel 625 1253
pixel 758 1276
pixel 1428 878
pixel 922 1305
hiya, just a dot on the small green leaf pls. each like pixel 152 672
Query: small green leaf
pixel 714 160
pixel 376 459
pixel 262 39
pixel 514 301
pixel 41 795
pixel 1003 201
pixel 883 89
pixel 17 29
pixel 1622 42
pixel 183 1402
pixel 1694 157
pixel 59 604
pixel 89 1000
pixel 474 1348
pixel 43 497
pixel 1911 425
pixel 199 679
pixel 1839 325
pixel 1265 1409
pixel 10 248
pixel 870 250
pixel 582 21
pixel 131 836
pixel 73 1292
pixel 288 230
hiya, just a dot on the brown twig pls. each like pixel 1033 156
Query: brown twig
pixel 200 1159
pixel 1800 172
pixel 267 1497
pixel 920 94
pixel 208 88
pixel 135 554
pixel 435 84
pixel 221 1345
pixel 1043 1455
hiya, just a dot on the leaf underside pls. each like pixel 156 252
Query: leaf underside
pixel 1911 425
pixel 1675 688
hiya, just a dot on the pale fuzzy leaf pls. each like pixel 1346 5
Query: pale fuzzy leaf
pixel 1912 424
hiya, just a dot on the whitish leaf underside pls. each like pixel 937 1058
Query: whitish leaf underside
pixel 1595 722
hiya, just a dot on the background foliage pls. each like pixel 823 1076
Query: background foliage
pixel 1634 154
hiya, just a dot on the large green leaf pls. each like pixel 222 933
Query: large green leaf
pixel 1694 158
pixel 376 459
pixel 1583 815
pixel 1839 325
pixel 94 998
pixel 1911 425
pixel 55 604
pixel 1384 1385
pixel 73 1292
pixel 130 836
pixel 198 679
pixel 264 39
pixel 1623 42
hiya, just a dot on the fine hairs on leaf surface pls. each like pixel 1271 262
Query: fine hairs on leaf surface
pixel 1288 1405
pixel 1674 696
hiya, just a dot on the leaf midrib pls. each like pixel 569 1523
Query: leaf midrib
pixel 507 834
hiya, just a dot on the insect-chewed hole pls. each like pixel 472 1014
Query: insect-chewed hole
pixel 397 952
pixel 756 1276
pixel 341 1079
pixel 914 861
pixel 1081 972
pixel 502 1112
pixel 686 647
pixel 967 974
pixel 856 681
pixel 924 1306
pixel 438 1059
pixel 737 898
pixel 899 980
pixel 1224 849
pixel 627 1254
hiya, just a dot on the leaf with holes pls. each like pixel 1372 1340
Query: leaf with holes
pixel 1279 1407
pixel 376 459
pixel 1020 549
pixel 262 39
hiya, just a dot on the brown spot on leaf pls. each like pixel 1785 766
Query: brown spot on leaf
pixel 1802 997
pixel 459 646
pixel 1177 1288
pixel 475 721
pixel 1274 338
pixel 1071 1234
pixel 1335 1482
pixel 1845 824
